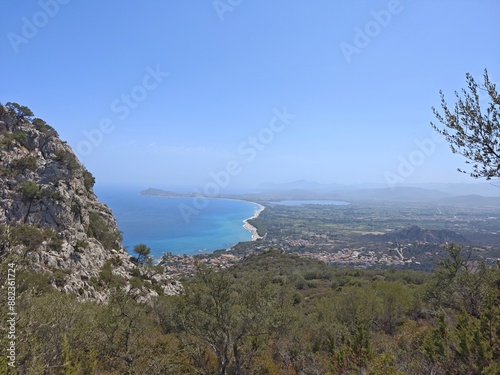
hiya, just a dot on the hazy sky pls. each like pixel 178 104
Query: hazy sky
pixel 240 92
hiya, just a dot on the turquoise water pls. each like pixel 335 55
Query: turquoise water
pixel 317 202
pixel 159 223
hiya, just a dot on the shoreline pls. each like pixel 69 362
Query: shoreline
pixel 249 227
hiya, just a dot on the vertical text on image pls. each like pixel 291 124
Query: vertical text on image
pixel 11 314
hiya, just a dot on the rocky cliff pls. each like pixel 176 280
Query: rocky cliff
pixel 51 221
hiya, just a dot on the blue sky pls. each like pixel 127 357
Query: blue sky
pixel 173 93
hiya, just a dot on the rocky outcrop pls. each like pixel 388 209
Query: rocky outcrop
pixel 51 219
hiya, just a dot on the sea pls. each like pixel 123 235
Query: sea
pixel 161 224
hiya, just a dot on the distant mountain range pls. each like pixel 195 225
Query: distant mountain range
pixel 294 191
pixel 485 189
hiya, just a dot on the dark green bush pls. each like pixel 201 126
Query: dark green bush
pixel 10 139
pixel 99 229
pixel 32 237
pixel 106 277
pixel 76 207
pixel 30 191
pixel 28 162
pixel 49 193
pixel 66 158
pixel 136 282
pixel 43 127
pixel 54 240
pixel 37 283
pixel 88 180
pixel 59 277
pixel 81 244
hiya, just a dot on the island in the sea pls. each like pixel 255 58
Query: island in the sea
pixel 153 192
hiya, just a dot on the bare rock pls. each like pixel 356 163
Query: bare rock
pixel 45 192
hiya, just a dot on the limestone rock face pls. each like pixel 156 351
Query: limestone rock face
pixel 51 218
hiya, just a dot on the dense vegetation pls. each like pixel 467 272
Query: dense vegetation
pixel 272 314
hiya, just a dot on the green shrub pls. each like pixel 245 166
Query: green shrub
pixel 297 298
pixel 18 166
pixel 43 127
pixel 312 283
pixel 106 277
pixel 28 162
pixel 36 283
pixel 28 235
pixel 136 272
pixel 21 138
pixel 59 277
pixel 33 237
pixel 55 241
pixel 81 244
pixel 66 158
pixel 30 191
pixel 49 193
pixel 99 229
pixel 76 207
pixel 136 282
pixel 10 139
pixel 300 283
pixel 88 180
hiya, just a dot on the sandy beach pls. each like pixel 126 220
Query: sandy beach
pixel 249 227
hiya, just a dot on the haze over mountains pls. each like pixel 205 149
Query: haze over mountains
pixel 426 191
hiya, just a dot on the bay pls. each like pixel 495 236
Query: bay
pixel 158 222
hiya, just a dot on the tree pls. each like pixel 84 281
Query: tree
pixel 227 321
pixel 142 252
pixel 472 132
pixel 21 111
pixel 31 193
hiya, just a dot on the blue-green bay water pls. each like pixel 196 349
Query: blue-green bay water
pixel 158 222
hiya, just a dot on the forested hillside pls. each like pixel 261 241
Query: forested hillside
pixel 272 314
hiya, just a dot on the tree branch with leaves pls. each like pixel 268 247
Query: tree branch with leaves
pixel 471 131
